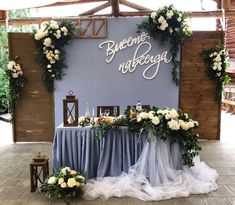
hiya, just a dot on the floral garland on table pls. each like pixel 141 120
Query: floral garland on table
pixel 165 123
pixel 168 24
pixel 51 39
pixel 17 82
pixel 64 184
pixel 216 60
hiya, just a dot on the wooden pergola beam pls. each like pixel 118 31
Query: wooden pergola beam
pixel 72 3
pixel 133 5
pixel 96 9
pixel 115 8
pixel 202 14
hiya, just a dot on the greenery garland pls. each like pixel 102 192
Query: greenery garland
pixel 166 123
pixel 17 81
pixel 50 40
pixel 168 24
pixel 216 60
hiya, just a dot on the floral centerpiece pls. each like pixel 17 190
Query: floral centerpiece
pixel 64 184
pixel 165 123
pixel 216 60
pixel 17 82
pixel 168 24
pixel 51 39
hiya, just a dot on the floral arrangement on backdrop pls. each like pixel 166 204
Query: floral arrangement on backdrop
pixel 17 82
pixel 64 184
pixel 168 24
pixel 216 60
pixel 166 123
pixel 51 39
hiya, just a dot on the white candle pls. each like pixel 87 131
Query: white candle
pixel 93 112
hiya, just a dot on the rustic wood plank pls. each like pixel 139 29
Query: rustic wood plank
pixel 115 8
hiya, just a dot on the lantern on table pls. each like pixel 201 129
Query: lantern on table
pixel 70 107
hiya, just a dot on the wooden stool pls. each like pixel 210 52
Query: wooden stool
pixel 39 171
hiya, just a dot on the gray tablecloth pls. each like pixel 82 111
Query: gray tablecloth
pixel 79 149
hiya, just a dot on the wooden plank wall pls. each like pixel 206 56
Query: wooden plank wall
pixel 34 112
pixel 197 92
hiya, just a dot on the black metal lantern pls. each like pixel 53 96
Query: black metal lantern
pixel 70 107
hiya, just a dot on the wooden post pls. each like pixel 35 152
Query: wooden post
pixel 115 8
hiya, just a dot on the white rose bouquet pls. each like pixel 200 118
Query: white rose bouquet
pixel 168 24
pixel 65 184
pixel 216 60
pixel 50 39
pixel 17 80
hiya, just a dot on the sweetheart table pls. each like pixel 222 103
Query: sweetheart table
pixel 122 163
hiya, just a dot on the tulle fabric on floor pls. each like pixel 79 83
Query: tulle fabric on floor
pixel 158 174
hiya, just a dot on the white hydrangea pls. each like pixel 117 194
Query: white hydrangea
pixel 173 124
pixel 169 14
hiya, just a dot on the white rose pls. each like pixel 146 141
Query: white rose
pixel 186 115
pixel 183 125
pixel 164 26
pixel 155 120
pixel 211 55
pixel 63 185
pixel 58 31
pixel 173 125
pixel 72 182
pixel 64 29
pixel 73 172
pixel 151 114
pixel 143 115
pixel 179 19
pixel 139 119
pixel 52 180
pixel 219 68
pixel 218 58
pixel 61 180
pixel 153 15
pixel 78 184
pixel 65 33
pixel 81 119
pixel 52 61
pixel 64 170
pixel 169 14
pixel 57 51
pixel 172 114
pixel 58 36
pixel 20 72
pixel 49 66
pixel 57 57
pixel 196 123
pixel 161 19
pixel 215 53
pixel 218 74
pixel 53 75
pixel 15 75
pixel 214 67
pixel 190 124
pixel 47 42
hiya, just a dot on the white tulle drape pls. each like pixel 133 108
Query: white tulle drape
pixel 158 174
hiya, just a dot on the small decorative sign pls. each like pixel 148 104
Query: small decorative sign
pixel 141 55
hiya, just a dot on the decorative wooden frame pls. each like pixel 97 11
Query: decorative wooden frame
pixel 93 28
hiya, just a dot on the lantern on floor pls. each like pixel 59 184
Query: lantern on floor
pixel 70 108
